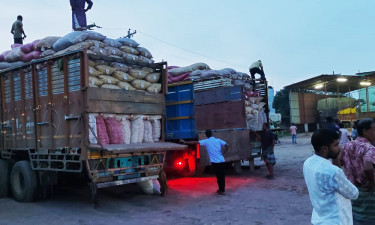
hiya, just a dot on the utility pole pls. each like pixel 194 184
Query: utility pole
pixel 130 34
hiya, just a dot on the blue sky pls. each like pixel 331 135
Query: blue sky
pixel 294 39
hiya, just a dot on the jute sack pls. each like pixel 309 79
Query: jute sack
pixel 94 72
pixel 187 69
pixel 148 69
pixel 138 74
pixel 113 51
pixel 122 76
pixel 126 86
pixel 108 70
pixel 110 86
pixel 95 81
pixel 129 50
pixel 144 52
pixel 108 79
pixel 129 56
pixel 120 67
pixel 153 77
pixel 140 84
pixel 91 63
pixel 154 88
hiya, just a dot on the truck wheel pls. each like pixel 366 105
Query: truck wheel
pixel 163 183
pixel 4 178
pixel 23 182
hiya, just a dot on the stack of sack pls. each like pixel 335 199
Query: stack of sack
pixel 124 129
pixel 255 115
pixel 96 43
pixel 201 71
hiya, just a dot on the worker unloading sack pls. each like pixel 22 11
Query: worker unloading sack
pixel 257 68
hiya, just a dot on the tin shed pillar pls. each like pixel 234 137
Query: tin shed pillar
pixel 306 127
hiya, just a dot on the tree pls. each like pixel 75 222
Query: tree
pixel 281 105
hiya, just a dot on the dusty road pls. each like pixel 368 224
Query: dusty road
pixel 250 199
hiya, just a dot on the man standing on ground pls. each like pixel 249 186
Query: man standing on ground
pixel 17 31
pixel 358 159
pixel 329 190
pixel 268 143
pixel 345 136
pixel 257 68
pixel 293 131
pixel 79 13
pixel 213 146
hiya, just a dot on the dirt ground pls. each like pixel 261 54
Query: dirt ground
pixel 250 199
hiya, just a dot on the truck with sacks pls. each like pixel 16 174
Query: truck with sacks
pixel 224 101
pixel 92 107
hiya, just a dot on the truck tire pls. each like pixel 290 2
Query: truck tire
pixel 23 182
pixel 4 171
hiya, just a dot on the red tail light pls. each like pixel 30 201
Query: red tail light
pixel 198 152
pixel 180 163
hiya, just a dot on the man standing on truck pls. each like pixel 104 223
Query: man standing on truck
pixel 257 68
pixel 79 13
pixel 268 144
pixel 213 146
pixel 17 31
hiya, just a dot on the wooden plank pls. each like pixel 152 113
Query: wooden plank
pixel 222 94
pixel 141 147
pixel 105 94
pixel 36 105
pixel 50 100
pixel 3 113
pixel 96 106
pixel 23 108
pixel 226 115
pixel 12 108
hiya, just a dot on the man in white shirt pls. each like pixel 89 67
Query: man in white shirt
pixel 257 68
pixel 213 146
pixel 329 189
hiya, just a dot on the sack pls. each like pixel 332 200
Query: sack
pixel 95 81
pixel 112 42
pixel 93 72
pixel 46 43
pixel 27 48
pixel 93 133
pixel 148 69
pixel 129 50
pixel 144 52
pixel 126 86
pixel 172 79
pixel 140 84
pixel 91 63
pixel 130 57
pixel 92 85
pixel 2 56
pixel 156 187
pixel 30 56
pixel 145 60
pixel 113 51
pixel 6 65
pixel 126 130
pixel 98 51
pixel 102 131
pixel 138 74
pixel 156 127
pixel 153 77
pixel 108 70
pixel 147 137
pixel 108 79
pixel 109 86
pixel 96 43
pixel 154 88
pixel 120 67
pixel 14 46
pixel 128 42
pixel 92 35
pixel 14 55
pixel 123 76
pixel 147 187
pixel 114 130
pixel 187 69
pixel 69 39
pixel 47 53
pixel 137 129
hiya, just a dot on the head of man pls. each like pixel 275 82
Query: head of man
pixel 19 17
pixel 329 119
pixel 366 129
pixel 266 126
pixel 326 143
pixel 208 133
pixel 341 125
pixel 292 124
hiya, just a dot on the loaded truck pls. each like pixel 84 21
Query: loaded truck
pixel 224 108
pixel 47 107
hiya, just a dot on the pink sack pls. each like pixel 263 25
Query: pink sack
pixel 172 79
pixel 102 131
pixel 30 56
pixel 27 48
pixel 114 130
pixel 13 46
pixel 35 43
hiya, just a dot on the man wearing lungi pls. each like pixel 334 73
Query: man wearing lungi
pixel 79 13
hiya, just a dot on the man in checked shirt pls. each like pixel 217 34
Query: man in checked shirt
pixel 358 160
pixel 329 189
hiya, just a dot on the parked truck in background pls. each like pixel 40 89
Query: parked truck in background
pixel 45 108
pixel 193 107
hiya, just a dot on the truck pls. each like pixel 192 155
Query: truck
pixel 218 105
pixel 45 128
